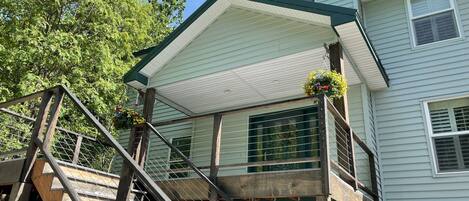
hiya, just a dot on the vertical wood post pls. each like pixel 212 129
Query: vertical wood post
pixel 138 146
pixel 336 58
pixel 38 128
pixel 353 166
pixel 215 157
pixel 324 147
pixel 76 152
pixel 54 117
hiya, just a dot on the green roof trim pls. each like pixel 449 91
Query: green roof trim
pixel 339 15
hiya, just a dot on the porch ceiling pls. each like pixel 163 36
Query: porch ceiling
pixel 263 82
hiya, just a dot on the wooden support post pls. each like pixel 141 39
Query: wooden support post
pixel 76 152
pixel 336 58
pixel 53 119
pixel 215 158
pixel 38 128
pixel 353 165
pixel 138 146
pixel 324 147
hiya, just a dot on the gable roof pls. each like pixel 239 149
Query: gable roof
pixel 338 16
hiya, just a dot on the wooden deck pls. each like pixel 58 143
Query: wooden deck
pixel 292 184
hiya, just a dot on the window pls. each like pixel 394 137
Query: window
pixel 433 20
pixel 175 161
pixel 282 136
pixel 449 122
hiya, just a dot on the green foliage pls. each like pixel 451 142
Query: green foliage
pixel 85 45
pixel 330 83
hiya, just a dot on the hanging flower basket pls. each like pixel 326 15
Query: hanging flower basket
pixel 329 83
pixel 126 118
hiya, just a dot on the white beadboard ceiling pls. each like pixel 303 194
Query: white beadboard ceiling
pixel 262 82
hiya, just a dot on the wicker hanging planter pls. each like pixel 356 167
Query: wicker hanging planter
pixel 329 83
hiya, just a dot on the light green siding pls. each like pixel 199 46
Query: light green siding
pixel 238 38
pixel 426 72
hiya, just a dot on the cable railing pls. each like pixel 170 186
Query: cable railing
pixel 185 157
pixel 262 141
pixel 81 163
pixel 350 157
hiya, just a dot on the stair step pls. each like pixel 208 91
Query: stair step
pixel 90 184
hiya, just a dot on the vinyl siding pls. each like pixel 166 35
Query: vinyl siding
pixel 161 112
pixel 416 74
pixel 239 38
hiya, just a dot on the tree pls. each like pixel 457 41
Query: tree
pixel 85 45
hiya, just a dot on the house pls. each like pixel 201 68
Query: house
pixel 405 61
pixel 227 118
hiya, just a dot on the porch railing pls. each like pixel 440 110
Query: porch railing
pixel 314 136
pixel 72 156
pixel 46 140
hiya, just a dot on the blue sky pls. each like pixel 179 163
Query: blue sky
pixel 191 6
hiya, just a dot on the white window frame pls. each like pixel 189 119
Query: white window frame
pixel 172 161
pixel 412 18
pixel 431 135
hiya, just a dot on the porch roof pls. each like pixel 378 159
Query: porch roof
pixel 344 22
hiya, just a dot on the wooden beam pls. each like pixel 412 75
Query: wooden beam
pixel 336 59
pixel 215 157
pixel 53 119
pixel 148 106
pixel 38 128
pixel 138 146
pixel 76 152
pixel 353 165
pixel 324 147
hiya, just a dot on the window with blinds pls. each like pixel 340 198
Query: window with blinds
pixel 450 133
pixel 433 20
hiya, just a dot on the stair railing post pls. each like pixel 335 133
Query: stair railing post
pixel 53 119
pixel 324 147
pixel 39 126
pixel 138 146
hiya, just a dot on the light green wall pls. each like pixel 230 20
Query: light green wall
pixel 235 134
pixel 427 72
pixel 239 38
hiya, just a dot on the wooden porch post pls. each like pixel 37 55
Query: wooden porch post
pixel 39 126
pixel 138 146
pixel 215 157
pixel 324 148
pixel 336 58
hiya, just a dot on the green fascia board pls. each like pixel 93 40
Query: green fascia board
pixel 339 15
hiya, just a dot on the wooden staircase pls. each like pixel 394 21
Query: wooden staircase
pixel 90 184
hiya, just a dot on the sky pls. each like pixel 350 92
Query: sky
pixel 191 6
